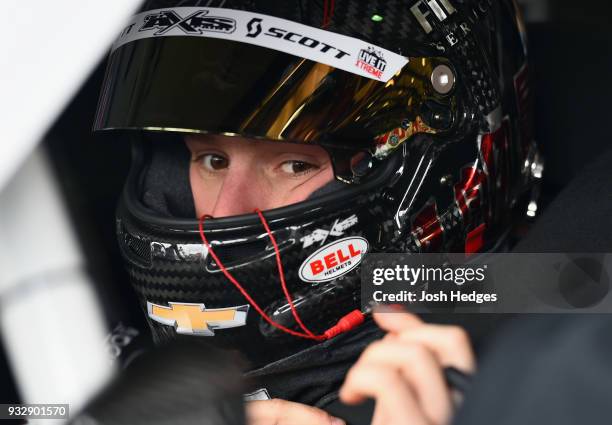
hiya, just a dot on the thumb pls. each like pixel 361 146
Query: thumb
pixel 282 412
pixel 395 319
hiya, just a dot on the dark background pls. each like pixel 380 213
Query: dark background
pixel 571 60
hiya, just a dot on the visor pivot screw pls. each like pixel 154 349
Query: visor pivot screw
pixel 442 79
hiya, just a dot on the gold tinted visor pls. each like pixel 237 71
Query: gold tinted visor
pixel 206 85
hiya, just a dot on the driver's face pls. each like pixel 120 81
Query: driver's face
pixel 231 177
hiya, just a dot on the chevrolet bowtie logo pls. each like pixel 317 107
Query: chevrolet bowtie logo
pixel 195 319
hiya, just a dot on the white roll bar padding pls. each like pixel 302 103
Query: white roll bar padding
pixel 51 321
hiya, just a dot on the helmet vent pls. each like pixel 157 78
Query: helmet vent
pixel 138 249
pixel 235 255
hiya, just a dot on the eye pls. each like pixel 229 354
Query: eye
pixel 213 162
pixel 297 167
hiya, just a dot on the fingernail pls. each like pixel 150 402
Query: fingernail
pixel 337 421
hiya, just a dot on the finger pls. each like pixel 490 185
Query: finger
pixel 371 381
pixel 450 344
pixel 282 412
pixel 421 372
pixel 381 418
pixel 394 399
pixel 395 320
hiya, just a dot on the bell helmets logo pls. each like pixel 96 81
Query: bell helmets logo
pixel 334 260
pixel 196 319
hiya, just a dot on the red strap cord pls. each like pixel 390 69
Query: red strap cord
pixel 328 12
pixel 281 274
pixel 345 324
pixel 324 23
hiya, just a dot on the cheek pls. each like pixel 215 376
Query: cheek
pixel 303 191
pixel 204 192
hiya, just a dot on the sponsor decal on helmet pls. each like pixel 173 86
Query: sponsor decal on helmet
pixel 196 319
pixel 390 140
pixel 196 23
pixel 254 27
pixel 431 13
pixel 336 50
pixel 337 229
pixel 372 61
pixel 424 10
pixel 334 260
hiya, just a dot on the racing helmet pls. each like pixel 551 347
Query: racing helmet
pixel 433 95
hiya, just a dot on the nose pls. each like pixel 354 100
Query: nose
pixel 240 193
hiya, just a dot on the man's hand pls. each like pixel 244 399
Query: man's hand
pixel 403 372
pixel 281 412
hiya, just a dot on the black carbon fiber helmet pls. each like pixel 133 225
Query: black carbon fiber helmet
pixel 434 93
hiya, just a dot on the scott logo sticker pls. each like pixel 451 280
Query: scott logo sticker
pixel 254 28
pixel 334 260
